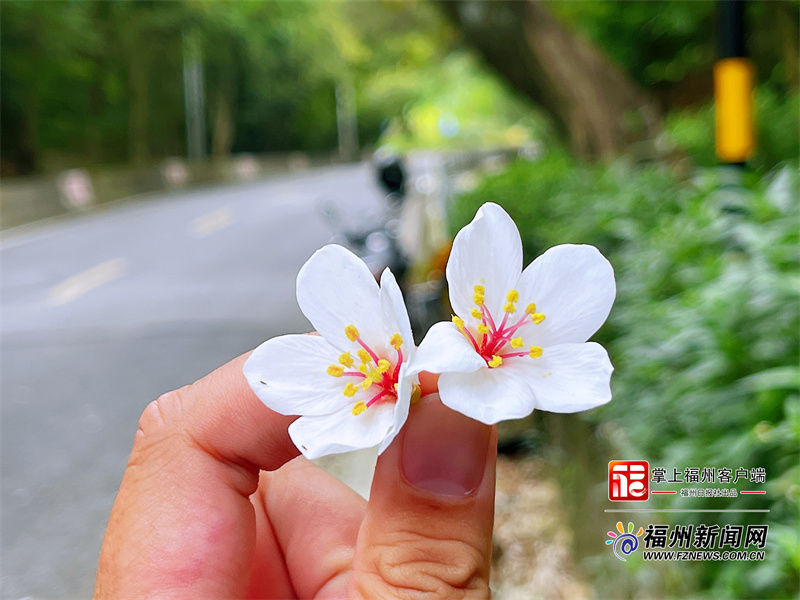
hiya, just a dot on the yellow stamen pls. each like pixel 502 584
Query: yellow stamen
pixel 364 355
pixel 358 408
pixel 350 390
pixel 383 365
pixel 396 341
pixel 479 289
pixel 538 318
pixel 531 308
pixel 366 383
pixel 416 394
pixel 476 313
pixel 512 296
pixel 478 299
pixel 510 308
pixel 516 342
pixel 536 352
pixel 483 328
pixel 496 361
pixel 459 322
pixel 363 368
pixel 346 359
pixel 335 371
pixel 351 332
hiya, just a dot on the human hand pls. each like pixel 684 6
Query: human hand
pixel 214 504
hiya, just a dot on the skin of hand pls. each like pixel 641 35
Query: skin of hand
pixel 215 503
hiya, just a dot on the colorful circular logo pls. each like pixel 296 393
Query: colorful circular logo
pixel 624 543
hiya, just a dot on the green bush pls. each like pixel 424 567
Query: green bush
pixel 703 334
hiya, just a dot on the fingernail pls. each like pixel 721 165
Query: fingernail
pixel 443 452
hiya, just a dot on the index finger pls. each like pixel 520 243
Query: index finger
pixel 182 523
pixel 227 420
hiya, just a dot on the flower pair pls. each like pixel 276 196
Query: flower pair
pixel 517 341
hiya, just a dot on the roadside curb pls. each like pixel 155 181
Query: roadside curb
pixel 76 191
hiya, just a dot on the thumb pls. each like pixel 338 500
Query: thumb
pixel 428 527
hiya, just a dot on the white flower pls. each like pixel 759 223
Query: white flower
pixel 517 341
pixel 350 383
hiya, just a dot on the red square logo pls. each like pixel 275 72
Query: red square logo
pixel 628 480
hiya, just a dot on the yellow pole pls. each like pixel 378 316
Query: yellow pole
pixel 733 88
pixel 733 109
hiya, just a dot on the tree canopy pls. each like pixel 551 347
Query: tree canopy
pixel 102 81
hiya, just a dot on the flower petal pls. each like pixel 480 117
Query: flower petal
pixel 486 252
pixel 489 395
pixel 401 408
pixel 445 350
pixel 342 431
pixel 288 374
pixel 573 285
pixel 570 377
pixel 395 314
pixel 336 289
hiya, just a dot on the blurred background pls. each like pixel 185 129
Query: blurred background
pixel 168 166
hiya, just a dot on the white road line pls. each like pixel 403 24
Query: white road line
pixel 77 285
pixel 207 224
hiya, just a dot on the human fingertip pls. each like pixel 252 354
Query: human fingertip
pixel 428 383
pixel 443 452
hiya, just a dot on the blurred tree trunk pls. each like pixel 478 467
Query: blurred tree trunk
pixel 138 85
pixel 222 133
pixel 97 95
pixel 595 104
pixel 19 150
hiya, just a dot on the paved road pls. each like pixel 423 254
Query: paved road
pixel 100 314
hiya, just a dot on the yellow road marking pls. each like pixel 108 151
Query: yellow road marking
pixel 76 286
pixel 207 224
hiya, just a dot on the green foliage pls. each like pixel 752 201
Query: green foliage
pixel 658 42
pixel 451 104
pixel 103 81
pixel 669 46
pixel 703 335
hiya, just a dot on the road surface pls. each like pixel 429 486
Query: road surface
pixel 102 313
